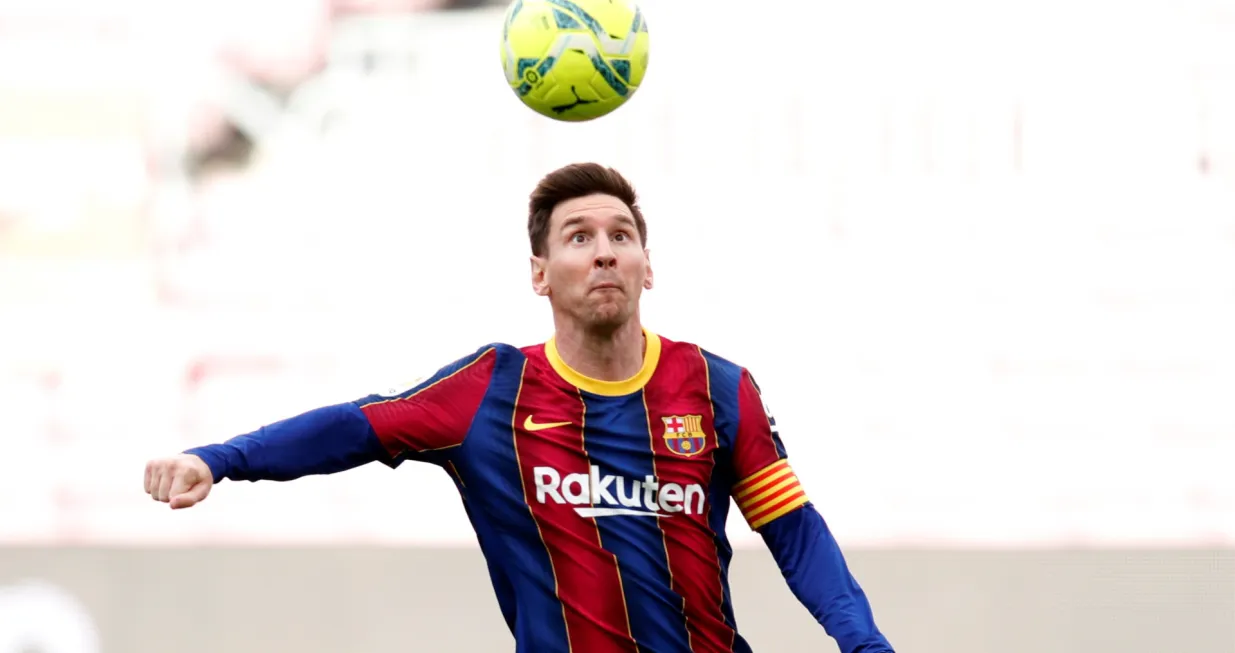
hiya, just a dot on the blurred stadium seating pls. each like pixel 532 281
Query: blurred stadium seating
pixel 1013 248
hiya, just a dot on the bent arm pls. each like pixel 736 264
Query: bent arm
pixel 812 564
pixel 321 441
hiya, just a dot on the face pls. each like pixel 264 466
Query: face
pixel 595 268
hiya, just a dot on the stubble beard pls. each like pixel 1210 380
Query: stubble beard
pixel 607 317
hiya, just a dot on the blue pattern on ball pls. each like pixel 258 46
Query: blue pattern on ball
pixel 622 67
pixel 606 73
pixel 615 73
pixel 591 23
pixel 565 21
pixel 541 70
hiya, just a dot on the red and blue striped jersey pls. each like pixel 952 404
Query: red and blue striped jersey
pixel 601 506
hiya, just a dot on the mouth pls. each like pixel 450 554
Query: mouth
pixel 606 285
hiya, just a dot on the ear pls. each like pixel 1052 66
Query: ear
pixel 647 261
pixel 540 276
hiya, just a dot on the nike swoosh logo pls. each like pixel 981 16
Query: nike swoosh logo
pixel 533 426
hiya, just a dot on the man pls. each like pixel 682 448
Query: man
pixel 596 468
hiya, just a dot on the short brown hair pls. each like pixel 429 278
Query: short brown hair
pixel 571 182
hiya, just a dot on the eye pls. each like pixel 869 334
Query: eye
pixel 578 237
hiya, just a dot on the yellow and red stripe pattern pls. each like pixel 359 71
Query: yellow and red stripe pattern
pixel 769 493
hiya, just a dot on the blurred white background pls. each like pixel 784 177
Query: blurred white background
pixel 981 256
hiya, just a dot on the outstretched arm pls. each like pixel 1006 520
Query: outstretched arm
pixel 423 422
pixel 321 441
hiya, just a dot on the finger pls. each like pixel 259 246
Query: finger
pixel 149 475
pixel 190 497
pixel 165 484
pixel 156 479
pixel 180 485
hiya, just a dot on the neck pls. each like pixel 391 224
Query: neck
pixel 606 356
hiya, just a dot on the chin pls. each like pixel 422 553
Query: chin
pixel 607 317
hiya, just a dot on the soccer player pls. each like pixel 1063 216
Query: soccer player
pixel 596 468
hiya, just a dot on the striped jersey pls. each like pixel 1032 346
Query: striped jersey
pixel 600 506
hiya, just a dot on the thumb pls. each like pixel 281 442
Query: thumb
pixel 184 495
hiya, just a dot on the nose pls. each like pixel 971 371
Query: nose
pixel 604 255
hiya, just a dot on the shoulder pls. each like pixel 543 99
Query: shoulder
pixel 483 356
pixel 719 368
pixel 529 351
pixel 474 367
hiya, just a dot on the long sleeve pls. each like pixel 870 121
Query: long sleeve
pixel 815 569
pixel 321 441
pixel 774 503
pixel 424 422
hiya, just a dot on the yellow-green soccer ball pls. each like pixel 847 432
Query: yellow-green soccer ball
pixel 574 60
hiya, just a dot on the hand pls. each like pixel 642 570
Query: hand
pixel 181 481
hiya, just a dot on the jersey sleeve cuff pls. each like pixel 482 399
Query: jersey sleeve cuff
pixel 214 459
pixel 769 493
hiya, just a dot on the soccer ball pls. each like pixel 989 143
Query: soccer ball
pixel 574 60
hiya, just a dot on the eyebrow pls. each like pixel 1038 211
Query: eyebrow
pixel 573 221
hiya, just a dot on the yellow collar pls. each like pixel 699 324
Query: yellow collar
pixel 651 357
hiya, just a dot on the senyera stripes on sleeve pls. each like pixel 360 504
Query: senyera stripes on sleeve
pixel 769 493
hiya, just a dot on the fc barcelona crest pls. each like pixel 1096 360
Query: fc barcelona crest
pixel 684 434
